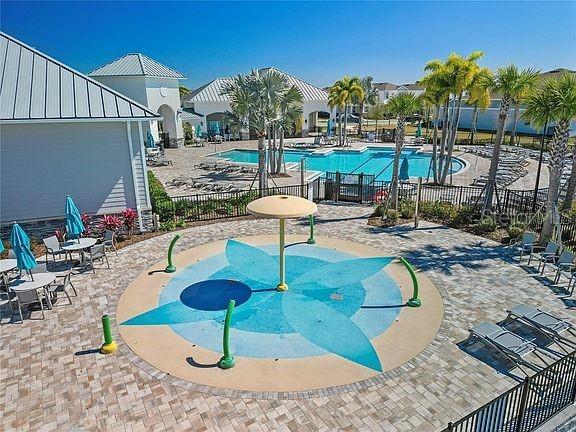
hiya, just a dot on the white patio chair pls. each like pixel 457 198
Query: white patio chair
pixel 33 296
pixel 53 248
pixel 110 240
pixel 56 288
pixel 96 253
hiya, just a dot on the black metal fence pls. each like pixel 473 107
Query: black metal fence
pixel 217 205
pixel 528 405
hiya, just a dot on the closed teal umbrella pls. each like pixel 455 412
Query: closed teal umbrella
pixel 198 131
pixel 404 170
pixel 1 246
pixel 329 128
pixel 74 225
pixel 150 140
pixel 21 246
pixel 217 128
pixel 419 130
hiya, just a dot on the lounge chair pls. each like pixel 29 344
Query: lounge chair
pixel 524 245
pixel 544 255
pixel 562 264
pixel 545 322
pixel 514 347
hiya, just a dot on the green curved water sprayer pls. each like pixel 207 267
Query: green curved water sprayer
pixel 171 267
pixel 414 301
pixel 227 361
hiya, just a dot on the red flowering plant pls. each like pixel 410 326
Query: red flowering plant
pixel 129 217
pixel 60 234
pixel 87 221
pixel 110 222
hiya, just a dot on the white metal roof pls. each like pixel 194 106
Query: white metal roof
pixel 211 92
pixel 35 87
pixel 136 65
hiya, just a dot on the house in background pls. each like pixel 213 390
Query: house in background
pixel 209 105
pixel 153 85
pixel 63 133
pixel 387 90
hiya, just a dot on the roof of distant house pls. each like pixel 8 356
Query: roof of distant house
pixel 136 64
pixel 391 86
pixel 35 87
pixel 211 92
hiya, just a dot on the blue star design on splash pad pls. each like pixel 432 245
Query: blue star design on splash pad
pixel 309 308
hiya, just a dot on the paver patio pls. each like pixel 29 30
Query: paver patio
pixel 52 380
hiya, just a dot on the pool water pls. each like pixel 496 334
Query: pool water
pixel 336 303
pixel 374 160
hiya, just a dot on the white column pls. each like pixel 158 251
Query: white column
pixel 143 162
pixel 134 182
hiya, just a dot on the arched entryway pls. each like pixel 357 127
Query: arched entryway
pixel 318 122
pixel 167 127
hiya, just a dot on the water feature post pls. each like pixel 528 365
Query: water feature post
pixel 414 301
pixel 171 268
pixel 282 286
pixel 227 361
pixel 311 240
pixel 109 346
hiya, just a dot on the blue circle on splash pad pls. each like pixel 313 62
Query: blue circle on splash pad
pixel 215 294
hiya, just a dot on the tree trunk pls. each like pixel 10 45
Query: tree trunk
pixel 339 126
pixel 452 141
pixel 270 151
pixel 435 145
pixel 555 166
pixel 361 119
pixel 515 123
pixel 571 186
pixel 376 131
pixel 427 123
pixel 280 160
pixel 345 125
pixel 473 124
pixel 443 138
pixel 491 184
pixel 399 141
pixel 262 175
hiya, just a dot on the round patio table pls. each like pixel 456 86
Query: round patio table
pixel 75 245
pixel 41 281
pixel 282 207
pixel 7 264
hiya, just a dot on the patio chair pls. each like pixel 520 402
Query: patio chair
pixel 110 240
pixel 543 255
pixel 96 253
pixel 56 288
pixel 6 297
pixel 29 297
pixel 514 347
pixel 562 264
pixel 524 245
pixel 52 245
pixel 545 322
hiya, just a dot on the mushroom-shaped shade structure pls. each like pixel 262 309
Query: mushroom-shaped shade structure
pixel 282 207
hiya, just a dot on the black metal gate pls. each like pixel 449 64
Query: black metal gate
pixel 357 188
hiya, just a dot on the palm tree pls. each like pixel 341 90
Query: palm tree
pixel 402 106
pixel 560 94
pixel 288 111
pixel 183 91
pixel 434 98
pixel 342 93
pixel 525 84
pixel 377 112
pixel 479 97
pixel 254 100
pixel 506 83
pixel 369 97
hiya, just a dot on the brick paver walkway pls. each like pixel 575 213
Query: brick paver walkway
pixel 52 380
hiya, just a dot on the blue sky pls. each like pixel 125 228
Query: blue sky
pixel 319 42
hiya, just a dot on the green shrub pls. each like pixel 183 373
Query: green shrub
pixel 378 211
pixel 392 214
pixel 180 223
pixel 486 225
pixel 465 215
pixel 407 209
pixel 168 225
pixel 437 211
pixel 184 208
pixel 161 202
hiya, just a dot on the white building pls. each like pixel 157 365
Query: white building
pixel 153 85
pixel 387 90
pixel 63 133
pixel 209 105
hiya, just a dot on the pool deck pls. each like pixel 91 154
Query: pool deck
pixel 53 380
pixel 184 159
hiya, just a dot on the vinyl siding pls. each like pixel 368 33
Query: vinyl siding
pixel 41 163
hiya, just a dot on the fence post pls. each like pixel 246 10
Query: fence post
pixel 337 187
pixel 302 168
pixel 197 207
pixel 522 408
pixel 460 196
pixel 450 425
pixel 361 187
pixel 418 193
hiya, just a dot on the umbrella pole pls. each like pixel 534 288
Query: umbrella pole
pixel 282 285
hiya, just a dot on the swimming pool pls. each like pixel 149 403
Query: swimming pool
pixel 373 160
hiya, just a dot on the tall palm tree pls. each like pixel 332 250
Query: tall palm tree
pixel 479 97
pixel 288 111
pixel 506 83
pixel 434 97
pixel 369 97
pixel 525 84
pixel 254 99
pixel 560 95
pixel 377 112
pixel 401 106
pixel 343 93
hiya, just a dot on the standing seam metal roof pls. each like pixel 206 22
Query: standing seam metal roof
pixel 211 92
pixel 136 64
pixel 33 86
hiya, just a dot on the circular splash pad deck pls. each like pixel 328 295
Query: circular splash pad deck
pixel 343 320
